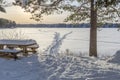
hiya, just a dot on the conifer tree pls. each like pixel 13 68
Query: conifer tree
pixel 93 11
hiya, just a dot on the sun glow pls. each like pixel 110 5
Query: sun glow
pixel 17 14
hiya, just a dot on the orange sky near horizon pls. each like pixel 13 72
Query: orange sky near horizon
pixel 18 15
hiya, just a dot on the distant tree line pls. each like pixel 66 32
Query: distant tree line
pixel 82 25
pixel 4 23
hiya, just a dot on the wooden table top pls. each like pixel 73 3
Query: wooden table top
pixel 17 42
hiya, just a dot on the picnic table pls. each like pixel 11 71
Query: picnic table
pixel 23 44
pixel 9 52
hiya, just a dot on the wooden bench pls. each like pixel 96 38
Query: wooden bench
pixel 21 44
pixel 31 48
pixel 11 47
pixel 12 52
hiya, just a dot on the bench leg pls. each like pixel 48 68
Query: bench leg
pixel 25 52
pixel 33 50
pixel 15 56
pixel 1 46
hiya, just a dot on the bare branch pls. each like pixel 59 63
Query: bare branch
pixel 80 7
pixel 116 10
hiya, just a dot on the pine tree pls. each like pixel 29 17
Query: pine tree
pixel 93 11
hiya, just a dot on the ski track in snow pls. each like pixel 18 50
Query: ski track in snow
pixel 53 48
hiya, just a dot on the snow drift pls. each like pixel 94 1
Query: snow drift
pixel 115 58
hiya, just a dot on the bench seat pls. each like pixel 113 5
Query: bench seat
pixel 31 48
pixel 13 52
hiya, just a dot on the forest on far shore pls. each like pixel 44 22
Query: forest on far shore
pixel 63 25
pixel 5 23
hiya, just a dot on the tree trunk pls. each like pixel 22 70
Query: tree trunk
pixel 93 31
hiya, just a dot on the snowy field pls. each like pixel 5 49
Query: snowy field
pixel 77 41
pixel 63 66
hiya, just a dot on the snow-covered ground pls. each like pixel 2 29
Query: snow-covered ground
pixel 44 67
pixel 77 41
pixel 64 66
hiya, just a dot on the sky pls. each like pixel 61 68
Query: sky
pixel 17 14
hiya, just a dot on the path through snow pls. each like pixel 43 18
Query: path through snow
pixel 53 48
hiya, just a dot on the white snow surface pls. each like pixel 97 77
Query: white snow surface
pixel 17 42
pixel 54 66
pixel 44 67
pixel 64 66
pixel 108 39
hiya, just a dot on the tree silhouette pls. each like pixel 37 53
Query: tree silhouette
pixel 1 6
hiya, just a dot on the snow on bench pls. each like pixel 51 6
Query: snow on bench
pixel 25 45
pixel 33 47
pixel 13 52
pixel 17 42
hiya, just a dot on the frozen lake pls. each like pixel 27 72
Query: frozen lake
pixel 77 41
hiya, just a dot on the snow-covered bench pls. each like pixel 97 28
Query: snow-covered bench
pixel 33 47
pixel 26 46
pixel 12 52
